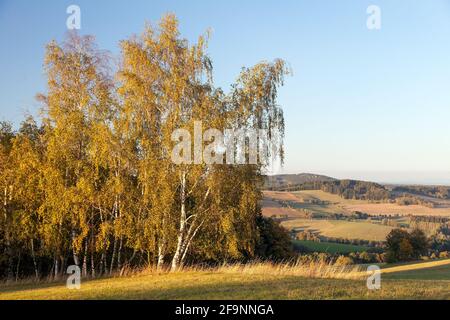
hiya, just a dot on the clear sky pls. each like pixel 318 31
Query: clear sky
pixel 367 104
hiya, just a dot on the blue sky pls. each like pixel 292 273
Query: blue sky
pixel 360 104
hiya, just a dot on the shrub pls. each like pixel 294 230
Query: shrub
pixel 274 242
pixel 404 246
pixel 365 257
pixel 344 261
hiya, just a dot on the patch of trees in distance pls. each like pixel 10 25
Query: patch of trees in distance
pixel 408 200
pixel 347 189
pixel 440 192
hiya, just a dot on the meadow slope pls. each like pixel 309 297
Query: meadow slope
pixel 429 283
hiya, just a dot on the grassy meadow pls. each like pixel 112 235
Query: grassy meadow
pixel 258 281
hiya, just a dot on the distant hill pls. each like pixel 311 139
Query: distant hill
pixel 286 180
pixel 347 189
pixel 362 190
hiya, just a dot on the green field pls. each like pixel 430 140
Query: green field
pixel 435 273
pixel 330 247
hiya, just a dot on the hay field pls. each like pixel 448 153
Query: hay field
pixel 394 209
pixel 272 208
pixel 336 204
pixel 340 228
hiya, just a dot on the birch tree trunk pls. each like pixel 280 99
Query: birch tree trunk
pixel 56 276
pixel 10 272
pixel 33 255
pixel 84 268
pixel 177 256
pixel 92 264
pixel 161 255
pixel 161 246
pixel 75 255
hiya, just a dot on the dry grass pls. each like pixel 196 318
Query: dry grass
pixel 313 269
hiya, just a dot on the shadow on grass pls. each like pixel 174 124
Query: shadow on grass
pixel 33 285
pixel 150 288
pixel 288 287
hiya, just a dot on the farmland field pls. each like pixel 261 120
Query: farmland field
pixel 302 200
pixel 335 204
pixel 294 207
pixel 330 247
pixel 324 204
pixel 272 208
pixel 340 228
pixel 394 209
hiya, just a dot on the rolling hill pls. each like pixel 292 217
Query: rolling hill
pixel 284 180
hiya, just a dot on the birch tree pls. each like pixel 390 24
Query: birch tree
pixel 78 94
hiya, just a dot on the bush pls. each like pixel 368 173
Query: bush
pixel 381 257
pixel 343 261
pixel 404 246
pixel 274 242
pixel 365 257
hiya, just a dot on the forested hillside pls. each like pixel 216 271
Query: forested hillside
pixel 347 189
pixel 287 180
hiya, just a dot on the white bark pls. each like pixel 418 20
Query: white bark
pixel 177 256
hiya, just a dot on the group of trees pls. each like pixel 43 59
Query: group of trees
pixel 407 200
pixel 437 228
pixel 274 242
pixel 440 192
pixel 403 246
pixel 341 259
pixel 353 189
pixel 347 189
pixel 430 225
pixel 94 184
pixel 309 235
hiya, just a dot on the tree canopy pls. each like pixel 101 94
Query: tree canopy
pixel 94 183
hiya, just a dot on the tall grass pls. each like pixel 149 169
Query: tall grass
pixel 309 269
pixel 312 269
